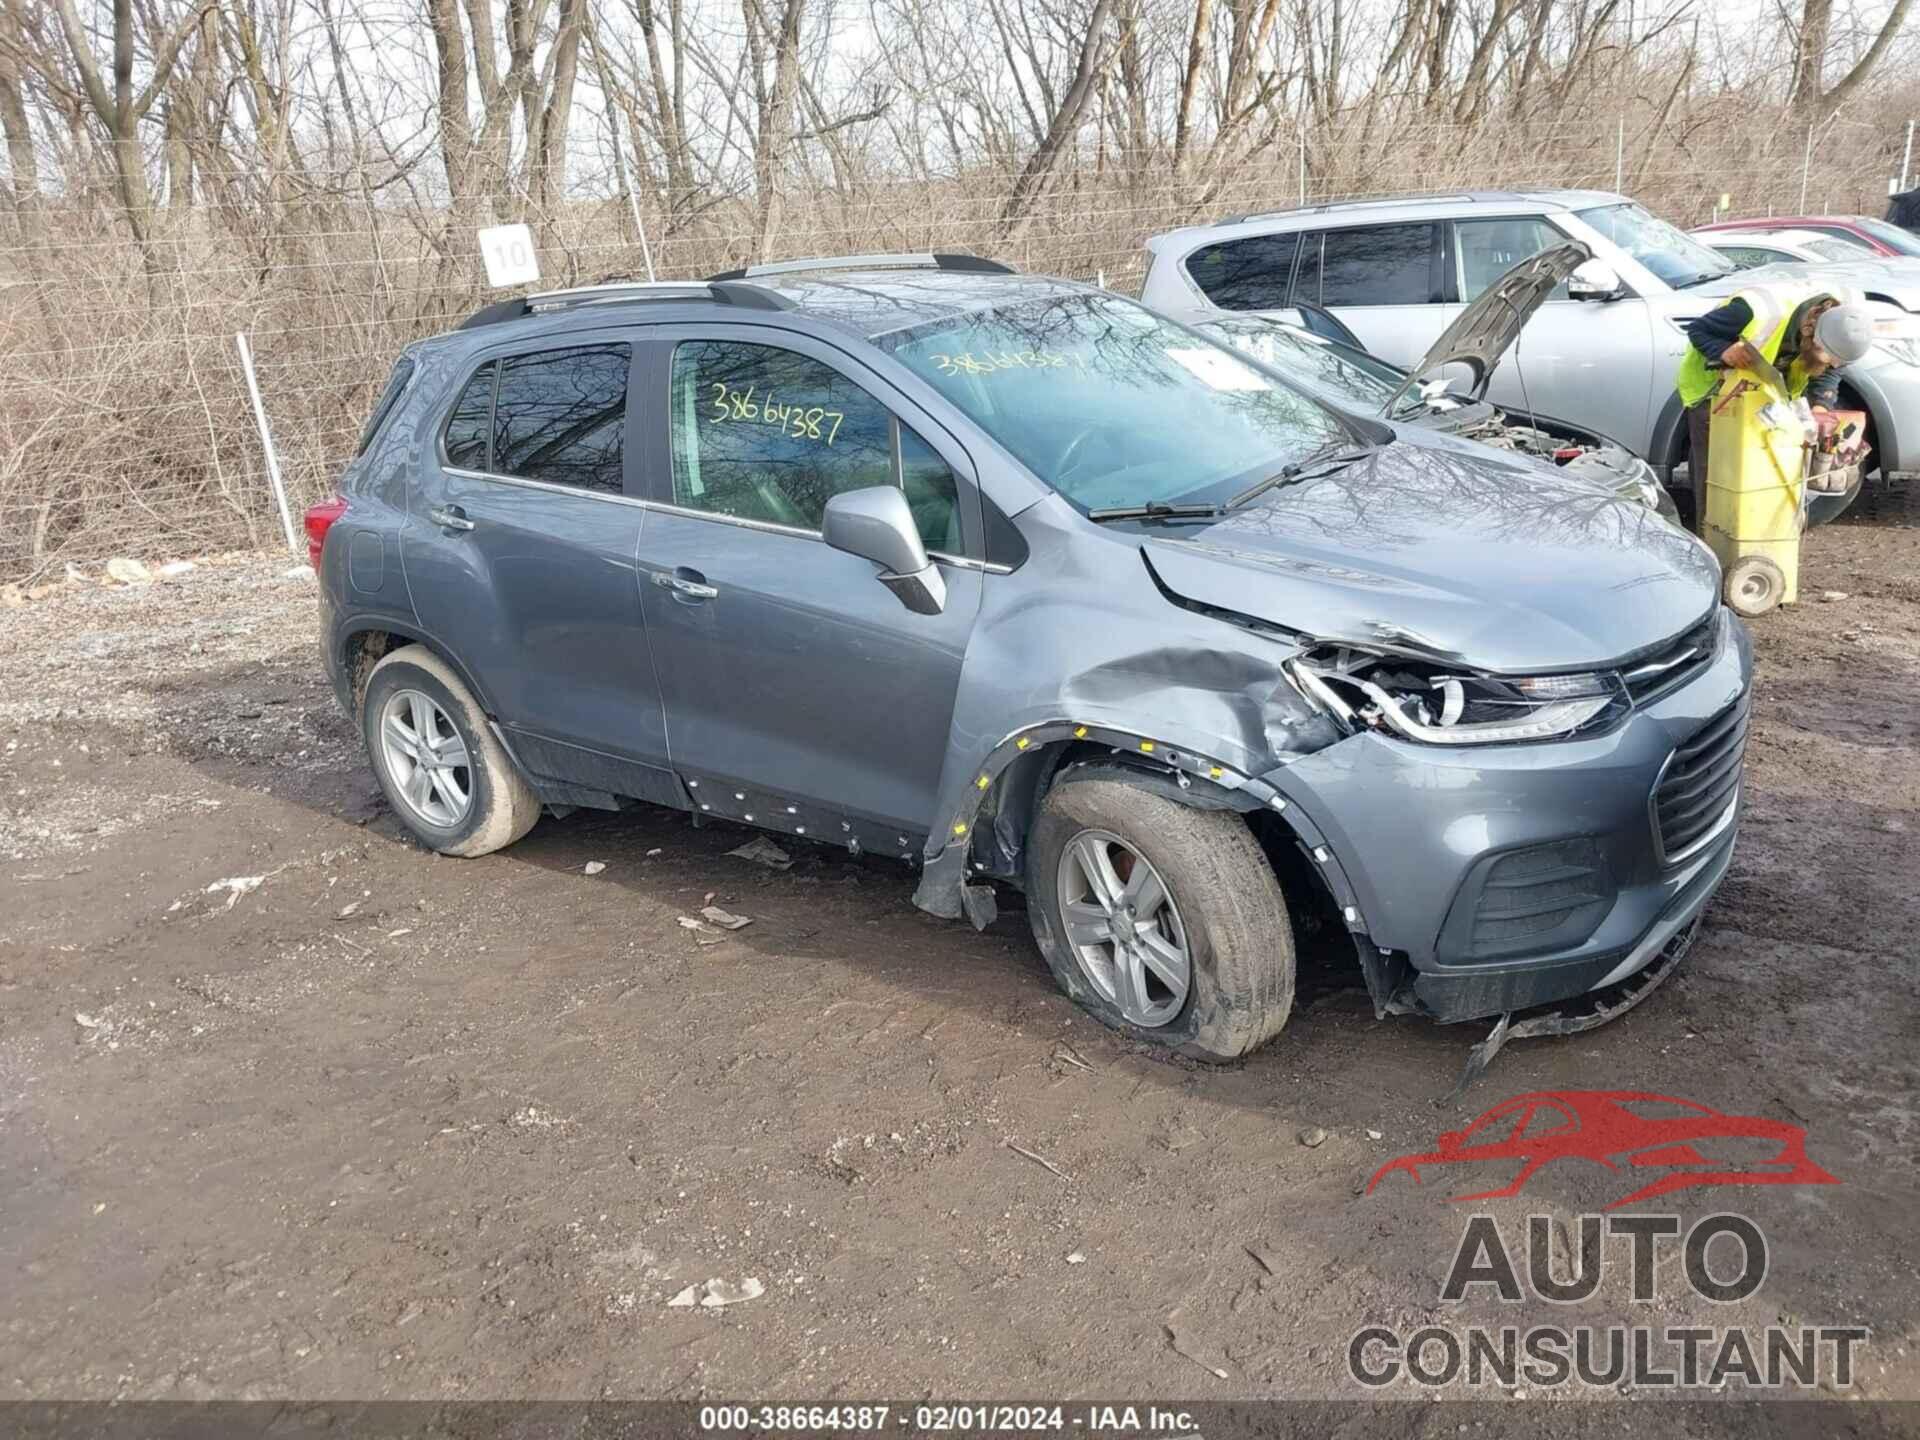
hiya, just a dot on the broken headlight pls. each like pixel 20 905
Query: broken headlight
pixel 1421 702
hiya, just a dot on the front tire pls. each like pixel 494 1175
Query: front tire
pixel 444 772
pixel 1164 921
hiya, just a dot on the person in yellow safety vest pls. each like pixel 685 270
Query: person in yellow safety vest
pixel 1805 331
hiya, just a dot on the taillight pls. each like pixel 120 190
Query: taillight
pixel 319 520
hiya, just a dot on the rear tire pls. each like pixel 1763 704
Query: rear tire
pixel 1223 911
pixel 445 773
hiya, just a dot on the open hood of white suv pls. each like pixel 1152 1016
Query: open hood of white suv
pixel 1483 332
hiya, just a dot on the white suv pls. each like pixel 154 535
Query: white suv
pixel 1598 357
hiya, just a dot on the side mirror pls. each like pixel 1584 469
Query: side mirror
pixel 876 524
pixel 1594 280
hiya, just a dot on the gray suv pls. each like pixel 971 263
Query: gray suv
pixel 1031 587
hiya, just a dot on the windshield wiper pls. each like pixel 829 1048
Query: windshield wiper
pixel 1154 510
pixel 1310 469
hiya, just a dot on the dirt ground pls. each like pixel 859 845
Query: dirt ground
pixel 390 1125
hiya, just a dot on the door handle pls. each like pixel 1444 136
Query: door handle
pixel 689 583
pixel 450 517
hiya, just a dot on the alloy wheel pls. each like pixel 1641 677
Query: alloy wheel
pixel 1123 928
pixel 427 759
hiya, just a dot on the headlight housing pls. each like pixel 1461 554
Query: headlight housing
pixel 1440 706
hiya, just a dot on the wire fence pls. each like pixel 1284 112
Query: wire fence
pixel 125 425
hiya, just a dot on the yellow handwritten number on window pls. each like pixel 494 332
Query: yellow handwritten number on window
pixel 801 422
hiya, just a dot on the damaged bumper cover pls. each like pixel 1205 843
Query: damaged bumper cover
pixel 1506 877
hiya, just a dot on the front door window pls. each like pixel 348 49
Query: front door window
pixel 765 434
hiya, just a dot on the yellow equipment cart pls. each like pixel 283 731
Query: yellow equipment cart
pixel 1756 489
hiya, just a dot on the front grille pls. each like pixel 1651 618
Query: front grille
pixel 1674 662
pixel 1701 780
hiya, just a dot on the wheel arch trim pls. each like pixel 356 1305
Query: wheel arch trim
pixel 1173 770
pixel 410 634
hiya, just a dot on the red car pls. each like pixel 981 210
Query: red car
pixel 1628 1129
pixel 1877 237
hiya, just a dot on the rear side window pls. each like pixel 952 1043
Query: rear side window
pixel 389 397
pixel 1372 265
pixel 471 422
pixel 761 433
pixel 1249 274
pixel 556 415
pixel 560 416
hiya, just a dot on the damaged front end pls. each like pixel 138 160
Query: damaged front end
pixel 1419 701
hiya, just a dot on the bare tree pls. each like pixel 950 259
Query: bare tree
pixel 120 110
pixel 22 161
pixel 1062 126
pixel 1813 44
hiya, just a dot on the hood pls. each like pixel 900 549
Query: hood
pixel 1448 550
pixel 1486 329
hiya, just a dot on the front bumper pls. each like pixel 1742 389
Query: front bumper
pixel 1419 832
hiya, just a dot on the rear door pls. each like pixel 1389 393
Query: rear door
pixel 1384 282
pixel 799 691
pixel 520 554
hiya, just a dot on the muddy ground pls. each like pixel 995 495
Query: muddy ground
pixel 390 1125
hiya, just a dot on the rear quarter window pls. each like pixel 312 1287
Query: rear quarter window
pixel 1248 274
pixel 471 421
pixel 383 407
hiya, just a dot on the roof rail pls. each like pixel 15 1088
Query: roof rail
pixel 1354 203
pixel 747 297
pixel 974 264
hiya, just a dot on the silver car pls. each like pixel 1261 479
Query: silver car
pixel 1301 350
pixel 1601 354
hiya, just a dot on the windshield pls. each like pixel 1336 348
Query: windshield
pixel 1891 235
pixel 1113 405
pixel 1676 258
pixel 1348 376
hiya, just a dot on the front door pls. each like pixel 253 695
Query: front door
pixel 520 554
pixel 799 691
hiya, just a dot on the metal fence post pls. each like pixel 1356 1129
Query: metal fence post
pixel 1907 158
pixel 1806 171
pixel 1620 156
pixel 266 440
